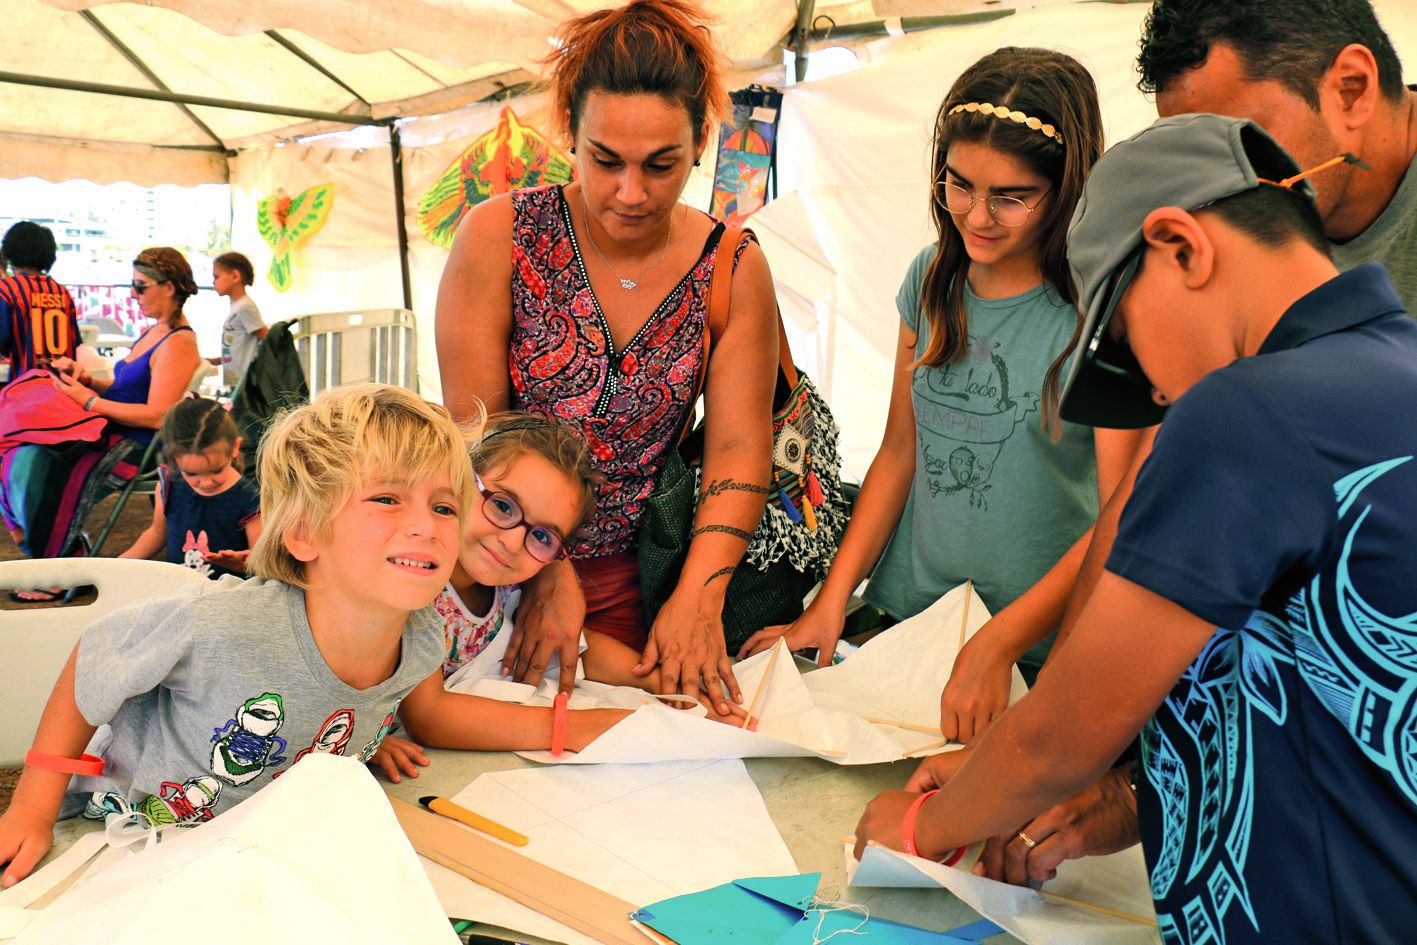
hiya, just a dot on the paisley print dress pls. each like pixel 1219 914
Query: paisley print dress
pixel 630 404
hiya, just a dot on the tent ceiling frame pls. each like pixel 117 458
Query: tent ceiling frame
pixel 291 47
pixel 179 98
pixel 908 24
pixel 801 37
pixel 137 63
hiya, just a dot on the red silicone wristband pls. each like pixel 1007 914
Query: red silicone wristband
pixel 907 830
pixel 86 764
pixel 907 826
pixel 560 709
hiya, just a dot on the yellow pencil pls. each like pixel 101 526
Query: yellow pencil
pixel 441 805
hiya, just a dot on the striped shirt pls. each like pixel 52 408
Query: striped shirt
pixel 38 322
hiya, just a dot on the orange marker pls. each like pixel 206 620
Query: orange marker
pixel 441 805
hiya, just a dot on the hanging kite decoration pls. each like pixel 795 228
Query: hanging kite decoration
pixel 285 222
pixel 747 154
pixel 507 158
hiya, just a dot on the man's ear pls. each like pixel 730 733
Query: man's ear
pixel 1181 243
pixel 297 542
pixel 1350 86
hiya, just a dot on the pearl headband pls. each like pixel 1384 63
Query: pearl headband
pixel 1001 111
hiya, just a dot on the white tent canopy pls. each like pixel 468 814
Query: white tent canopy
pixel 320 64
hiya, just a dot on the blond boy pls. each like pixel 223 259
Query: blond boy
pixel 212 694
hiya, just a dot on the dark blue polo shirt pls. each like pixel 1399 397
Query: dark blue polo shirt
pixel 1278 802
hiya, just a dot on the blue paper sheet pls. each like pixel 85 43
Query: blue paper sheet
pixel 755 911
pixel 773 910
pixel 976 931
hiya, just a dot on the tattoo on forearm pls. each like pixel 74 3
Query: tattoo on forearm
pixel 725 529
pixel 720 486
pixel 716 575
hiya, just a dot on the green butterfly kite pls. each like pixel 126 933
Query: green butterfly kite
pixel 285 222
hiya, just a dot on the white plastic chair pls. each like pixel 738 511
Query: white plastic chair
pixel 35 642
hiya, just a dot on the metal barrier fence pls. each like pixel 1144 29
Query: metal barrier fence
pixel 380 345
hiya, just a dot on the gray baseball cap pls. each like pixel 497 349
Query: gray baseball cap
pixel 1186 161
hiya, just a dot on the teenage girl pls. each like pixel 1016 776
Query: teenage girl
pixel 207 516
pixel 975 479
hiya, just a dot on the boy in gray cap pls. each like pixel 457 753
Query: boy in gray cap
pixel 1255 622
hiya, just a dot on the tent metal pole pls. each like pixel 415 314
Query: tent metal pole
pixel 157 95
pixel 396 154
pixel 802 37
pixel 137 63
pixel 908 24
pixel 315 64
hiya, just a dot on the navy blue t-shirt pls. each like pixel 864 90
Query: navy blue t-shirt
pixel 200 523
pixel 1279 796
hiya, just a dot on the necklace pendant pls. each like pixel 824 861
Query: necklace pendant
pixel 628 283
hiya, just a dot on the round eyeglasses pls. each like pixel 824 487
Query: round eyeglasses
pixel 542 543
pixel 1006 211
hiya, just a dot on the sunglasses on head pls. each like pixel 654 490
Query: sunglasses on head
pixel 1105 351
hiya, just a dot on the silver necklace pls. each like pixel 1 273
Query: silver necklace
pixel 626 284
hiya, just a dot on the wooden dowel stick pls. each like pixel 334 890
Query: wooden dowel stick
pixel 1093 907
pixel 927 749
pixel 585 908
pixel 778 647
pixel 908 726
pixel 964 619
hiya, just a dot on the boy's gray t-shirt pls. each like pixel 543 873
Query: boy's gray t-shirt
pixel 993 498
pixel 238 339
pixel 213 693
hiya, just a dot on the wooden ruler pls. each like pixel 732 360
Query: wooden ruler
pixel 581 906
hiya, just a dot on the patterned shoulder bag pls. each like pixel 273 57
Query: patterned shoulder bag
pixel 806 511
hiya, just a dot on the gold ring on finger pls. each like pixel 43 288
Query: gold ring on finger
pixel 1027 840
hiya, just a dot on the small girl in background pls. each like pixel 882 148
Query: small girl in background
pixel 207 516
pixel 243 330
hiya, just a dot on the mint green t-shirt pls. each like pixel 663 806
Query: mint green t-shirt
pixel 994 498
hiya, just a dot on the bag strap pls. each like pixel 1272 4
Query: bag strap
pixel 720 292
pixel 719 284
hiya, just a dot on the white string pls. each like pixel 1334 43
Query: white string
pixel 823 906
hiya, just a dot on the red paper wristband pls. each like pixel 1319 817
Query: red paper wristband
pixel 86 764
pixel 560 709
pixel 907 830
